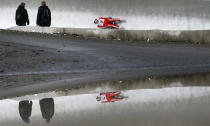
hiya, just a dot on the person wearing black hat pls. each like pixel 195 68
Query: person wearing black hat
pixel 21 15
pixel 43 15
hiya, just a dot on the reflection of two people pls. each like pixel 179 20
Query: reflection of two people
pixel 25 108
pixel 46 105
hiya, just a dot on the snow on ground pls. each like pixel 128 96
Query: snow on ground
pixel 76 19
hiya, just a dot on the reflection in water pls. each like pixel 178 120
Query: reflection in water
pixel 139 83
pixel 107 97
pixel 25 108
pixel 176 106
pixel 47 108
pixel 153 101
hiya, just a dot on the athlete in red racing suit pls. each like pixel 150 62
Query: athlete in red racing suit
pixel 109 97
pixel 103 22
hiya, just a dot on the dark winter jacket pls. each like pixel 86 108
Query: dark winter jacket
pixel 21 16
pixel 44 16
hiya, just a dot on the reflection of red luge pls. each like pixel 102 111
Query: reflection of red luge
pixel 110 97
pixel 107 22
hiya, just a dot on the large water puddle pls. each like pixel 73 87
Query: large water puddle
pixel 152 101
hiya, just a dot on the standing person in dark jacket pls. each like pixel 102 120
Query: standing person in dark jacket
pixel 44 15
pixel 21 15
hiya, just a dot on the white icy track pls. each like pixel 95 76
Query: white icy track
pixel 139 14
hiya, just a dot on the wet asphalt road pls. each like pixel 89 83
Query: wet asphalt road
pixel 34 62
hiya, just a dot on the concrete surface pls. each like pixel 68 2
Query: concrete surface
pixel 185 36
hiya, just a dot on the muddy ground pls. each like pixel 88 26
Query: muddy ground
pixel 38 62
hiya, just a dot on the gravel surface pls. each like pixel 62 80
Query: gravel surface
pixel 40 62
